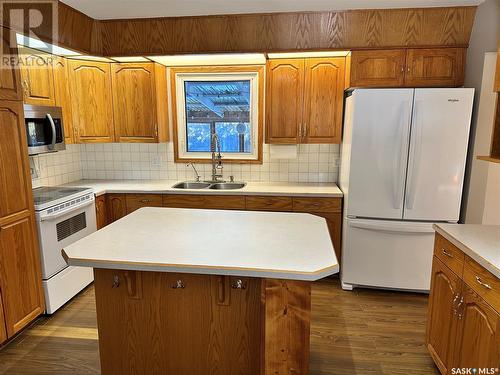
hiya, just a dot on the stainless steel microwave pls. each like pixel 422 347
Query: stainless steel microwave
pixel 44 129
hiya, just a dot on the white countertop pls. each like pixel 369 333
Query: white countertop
pixel 252 188
pixel 292 246
pixel 480 242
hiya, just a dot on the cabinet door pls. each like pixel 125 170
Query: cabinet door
pixel 10 79
pixel 101 211
pixel 91 102
pixel 63 98
pixel 15 182
pixel 134 102
pixel 3 328
pixel 284 100
pixel 20 276
pixel 438 67
pixel 478 338
pixel 379 68
pixel 116 207
pixel 323 100
pixel 37 77
pixel 442 321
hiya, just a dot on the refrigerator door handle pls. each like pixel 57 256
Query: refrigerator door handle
pixel 389 227
pixel 401 161
pixel 413 164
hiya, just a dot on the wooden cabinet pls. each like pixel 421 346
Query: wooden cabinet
pixel 304 100
pixel 91 101
pixel 10 79
pixel 426 67
pixel 37 77
pixel 463 329
pixel 436 67
pixel 221 202
pixel 20 277
pixel 3 328
pixel 63 97
pixel 380 68
pixel 116 207
pixel 136 201
pixel 478 335
pixel 15 181
pixel 284 100
pixel 265 203
pixel 139 102
pixel 446 288
pixel 101 211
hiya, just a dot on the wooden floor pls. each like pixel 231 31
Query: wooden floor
pixel 360 332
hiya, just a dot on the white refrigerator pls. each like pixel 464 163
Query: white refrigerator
pixel 402 169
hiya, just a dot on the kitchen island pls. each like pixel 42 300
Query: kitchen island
pixel 188 291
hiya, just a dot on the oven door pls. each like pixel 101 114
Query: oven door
pixel 62 229
pixel 44 129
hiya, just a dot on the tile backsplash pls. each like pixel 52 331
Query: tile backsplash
pixel 314 163
pixel 57 168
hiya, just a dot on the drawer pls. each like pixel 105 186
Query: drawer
pixel 449 254
pixel 317 204
pixel 482 282
pixel 136 201
pixel 259 203
pixel 223 202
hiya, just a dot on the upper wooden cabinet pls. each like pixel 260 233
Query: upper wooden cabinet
pixel 435 67
pixel 377 68
pixel 37 77
pixel 20 277
pixel 304 100
pixel 140 102
pixel 92 104
pixel 431 67
pixel 284 100
pixel 10 79
pixel 62 96
pixel 15 182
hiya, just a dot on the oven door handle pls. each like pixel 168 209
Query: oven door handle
pixel 53 126
pixel 65 212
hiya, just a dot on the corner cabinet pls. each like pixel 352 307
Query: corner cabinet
pixel 463 329
pixel 426 67
pixel 91 101
pixel 304 100
pixel 140 111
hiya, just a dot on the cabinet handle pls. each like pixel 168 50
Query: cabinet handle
pixel 408 69
pixel 459 313
pixel 178 285
pixel 145 200
pixel 305 130
pixel 454 303
pixel 402 69
pixel 116 281
pixel 449 255
pixel 239 284
pixel 487 286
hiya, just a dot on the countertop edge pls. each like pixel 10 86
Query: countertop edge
pixel 204 270
pixel 468 251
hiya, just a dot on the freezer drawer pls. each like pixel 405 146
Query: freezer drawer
pixel 387 254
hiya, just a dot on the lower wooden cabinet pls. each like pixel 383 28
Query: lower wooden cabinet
pixel 101 211
pixel 463 329
pixel 116 207
pixel 3 328
pixel 20 277
pixel 136 201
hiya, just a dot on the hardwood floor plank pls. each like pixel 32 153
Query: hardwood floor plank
pixel 364 332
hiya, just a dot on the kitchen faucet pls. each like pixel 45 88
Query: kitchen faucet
pixel 195 171
pixel 216 159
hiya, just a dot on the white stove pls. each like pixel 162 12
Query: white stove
pixel 64 215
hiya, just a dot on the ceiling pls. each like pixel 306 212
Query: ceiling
pixel 116 9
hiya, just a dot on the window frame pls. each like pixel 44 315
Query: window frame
pixel 178 75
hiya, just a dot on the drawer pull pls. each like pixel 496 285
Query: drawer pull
pixel 487 286
pixel 239 284
pixel 178 285
pixel 449 255
pixel 145 200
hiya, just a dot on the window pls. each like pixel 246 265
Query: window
pixel 220 108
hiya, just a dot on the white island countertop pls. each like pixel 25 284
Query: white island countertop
pixel 293 246
pixel 252 188
pixel 480 242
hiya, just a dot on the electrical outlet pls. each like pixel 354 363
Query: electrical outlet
pixel 155 160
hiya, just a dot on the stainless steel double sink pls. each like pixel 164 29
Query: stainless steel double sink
pixel 209 185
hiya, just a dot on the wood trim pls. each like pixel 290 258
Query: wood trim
pixel 219 69
pixel 266 32
pixel 497 75
pixel 489 158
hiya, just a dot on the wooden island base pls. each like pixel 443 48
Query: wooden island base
pixel 187 324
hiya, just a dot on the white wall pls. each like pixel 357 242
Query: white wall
pixel 484 39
